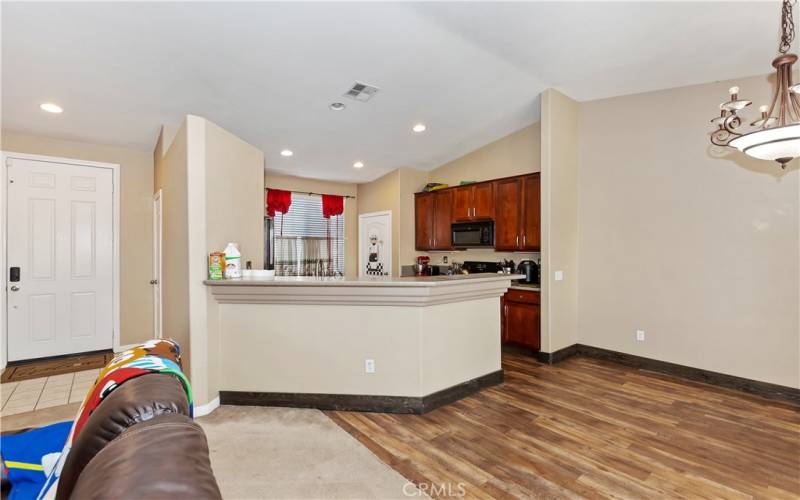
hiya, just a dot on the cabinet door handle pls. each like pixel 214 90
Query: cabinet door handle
pixel 517 240
pixel 524 240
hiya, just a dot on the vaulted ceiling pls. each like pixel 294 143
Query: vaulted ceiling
pixel 267 72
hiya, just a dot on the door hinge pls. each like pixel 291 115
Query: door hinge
pixel 8 162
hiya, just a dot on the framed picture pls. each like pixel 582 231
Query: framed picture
pixel 375 244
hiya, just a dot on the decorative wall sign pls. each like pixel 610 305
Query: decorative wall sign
pixel 375 244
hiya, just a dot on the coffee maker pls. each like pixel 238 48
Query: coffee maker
pixel 531 271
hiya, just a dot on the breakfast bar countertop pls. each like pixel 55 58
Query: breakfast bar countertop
pixel 366 281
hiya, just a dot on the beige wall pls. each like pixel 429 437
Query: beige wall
pixel 560 162
pixel 696 246
pixel 351 207
pixel 234 211
pixel 212 188
pixel 136 221
pixel 170 177
pixel 410 181
pixel 380 195
pixel 234 208
pixel 515 154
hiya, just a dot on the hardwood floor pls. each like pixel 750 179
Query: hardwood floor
pixel 590 428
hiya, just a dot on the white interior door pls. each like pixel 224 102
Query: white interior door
pixel 156 281
pixel 60 237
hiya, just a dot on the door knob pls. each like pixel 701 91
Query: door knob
pixel 154 282
pixel 14 288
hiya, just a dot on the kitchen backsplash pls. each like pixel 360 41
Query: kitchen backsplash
pixel 479 254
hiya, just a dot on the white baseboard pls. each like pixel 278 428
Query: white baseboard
pixel 202 410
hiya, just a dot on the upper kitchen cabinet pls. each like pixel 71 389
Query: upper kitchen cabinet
pixel 508 196
pixel 432 216
pixel 517 221
pixel 473 202
pixel 423 220
pixel 442 216
pixel 531 215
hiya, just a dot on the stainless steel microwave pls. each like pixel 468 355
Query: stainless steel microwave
pixel 473 234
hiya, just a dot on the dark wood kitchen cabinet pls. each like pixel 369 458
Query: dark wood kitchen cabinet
pixel 512 202
pixel 473 202
pixel 517 221
pixel 432 216
pixel 520 316
pixel 423 221
pixel 531 213
pixel 508 202
pixel 442 216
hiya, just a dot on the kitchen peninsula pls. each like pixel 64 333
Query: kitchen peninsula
pixel 377 344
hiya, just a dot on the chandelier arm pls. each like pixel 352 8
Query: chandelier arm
pixel 787 99
pixel 795 104
pixel 774 96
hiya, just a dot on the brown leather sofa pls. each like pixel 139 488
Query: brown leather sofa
pixel 140 442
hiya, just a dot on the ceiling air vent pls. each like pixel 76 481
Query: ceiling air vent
pixel 361 92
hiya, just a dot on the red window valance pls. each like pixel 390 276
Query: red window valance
pixel 278 201
pixel 332 205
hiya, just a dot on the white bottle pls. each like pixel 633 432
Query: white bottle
pixel 233 261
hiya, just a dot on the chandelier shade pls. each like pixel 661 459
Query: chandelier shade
pixel 779 144
pixel 775 136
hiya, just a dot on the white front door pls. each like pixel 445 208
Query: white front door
pixel 61 241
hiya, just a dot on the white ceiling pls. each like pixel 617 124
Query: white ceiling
pixel 267 71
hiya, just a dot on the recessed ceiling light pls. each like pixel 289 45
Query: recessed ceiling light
pixel 286 152
pixel 337 106
pixel 358 164
pixel 419 128
pixel 50 107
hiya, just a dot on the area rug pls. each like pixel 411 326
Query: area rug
pixel 55 366
pixel 263 452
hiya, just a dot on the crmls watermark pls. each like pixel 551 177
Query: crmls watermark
pixel 436 490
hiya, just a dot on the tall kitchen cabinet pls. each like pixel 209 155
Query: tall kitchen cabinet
pixel 518 221
pixel 432 216
pixel 473 202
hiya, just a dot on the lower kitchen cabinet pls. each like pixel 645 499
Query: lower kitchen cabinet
pixel 520 318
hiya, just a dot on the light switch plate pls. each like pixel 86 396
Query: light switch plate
pixel 559 275
pixel 369 365
pixel 640 335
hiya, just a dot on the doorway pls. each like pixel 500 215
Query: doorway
pixel 158 236
pixel 62 255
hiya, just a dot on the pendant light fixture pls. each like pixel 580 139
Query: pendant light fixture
pixel 775 135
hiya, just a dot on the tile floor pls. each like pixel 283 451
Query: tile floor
pixel 46 392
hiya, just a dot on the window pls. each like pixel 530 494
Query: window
pixel 300 240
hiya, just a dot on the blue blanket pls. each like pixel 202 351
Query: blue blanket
pixel 22 457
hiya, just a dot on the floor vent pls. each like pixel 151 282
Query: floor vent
pixel 361 92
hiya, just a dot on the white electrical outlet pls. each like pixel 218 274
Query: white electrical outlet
pixel 640 335
pixel 559 276
pixel 369 365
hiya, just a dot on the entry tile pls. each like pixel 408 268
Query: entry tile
pixel 58 400
pixel 12 407
pixel 60 380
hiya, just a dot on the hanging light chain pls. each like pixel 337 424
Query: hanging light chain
pixel 787 26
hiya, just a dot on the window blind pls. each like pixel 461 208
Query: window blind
pixel 301 240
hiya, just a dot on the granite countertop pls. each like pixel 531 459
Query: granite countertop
pixel 364 281
pixel 534 287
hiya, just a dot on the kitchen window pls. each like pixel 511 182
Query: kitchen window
pixel 302 242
